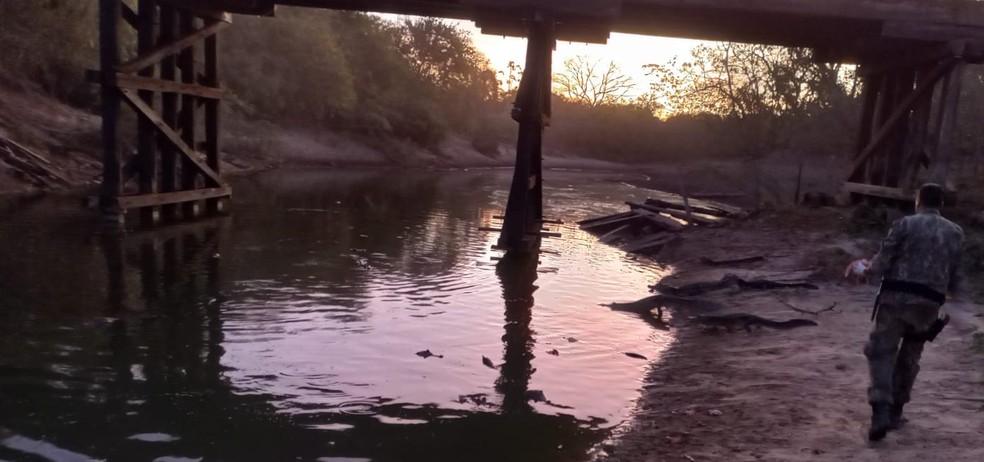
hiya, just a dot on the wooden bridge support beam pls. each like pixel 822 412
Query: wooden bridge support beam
pixel 524 210
pixel 167 50
pixel 895 130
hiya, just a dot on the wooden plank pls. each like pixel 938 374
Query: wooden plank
pixel 169 109
pixel 109 57
pixel 175 139
pixel 663 204
pixel 662 222
pixel 696 218
pixel 212 114
pixel 251 7
pixel 129 15
pixel 146 158
pixel 879 191
pixel 949 105
pixel 552 222
pixel 613 234
pixel 675 201
pixel 923 90
pixel 176 197
pixel 607 217
pixel 188 114
pixel 649 243
pixel 621 220
pixel 872 83
pixel 916 146
pixel 136 82
pixel 913 58
pixel 187 39
pixel 896 145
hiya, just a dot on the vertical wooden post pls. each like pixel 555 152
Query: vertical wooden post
pixel 872 84
pixel 109 59
pixel 896 147
pixel 887 99
pixel 169 111
pixel 186 61
pixel 949 103
pixel 525 205
pixel 916 145
pixel 146 134
pixel 212 140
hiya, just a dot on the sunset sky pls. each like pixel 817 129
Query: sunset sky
pixel 630 52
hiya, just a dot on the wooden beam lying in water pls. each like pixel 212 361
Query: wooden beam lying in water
pixel 176 197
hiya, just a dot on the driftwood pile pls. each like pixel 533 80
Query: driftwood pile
pixel 32 167
pixel 647 227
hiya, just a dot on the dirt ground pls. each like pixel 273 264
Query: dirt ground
pixel 799 394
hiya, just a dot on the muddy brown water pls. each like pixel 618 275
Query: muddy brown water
pixel 289 329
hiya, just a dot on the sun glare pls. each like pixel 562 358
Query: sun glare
pixel 630 52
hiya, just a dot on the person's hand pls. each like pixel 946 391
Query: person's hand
pixel 858 269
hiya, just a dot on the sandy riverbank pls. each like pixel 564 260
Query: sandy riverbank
pixel 796 395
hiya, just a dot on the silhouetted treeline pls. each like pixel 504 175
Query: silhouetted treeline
pixel 423 80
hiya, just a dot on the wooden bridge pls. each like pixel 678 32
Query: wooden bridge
pixel 910 52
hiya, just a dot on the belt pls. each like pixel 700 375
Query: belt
pixel 906 287
pixel 913 288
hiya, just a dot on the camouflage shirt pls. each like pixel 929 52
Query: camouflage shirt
pixel 924 248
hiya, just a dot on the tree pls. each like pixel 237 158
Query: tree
pixel 445 56
pixel 772 90
pixel 742 80
pixel 591 83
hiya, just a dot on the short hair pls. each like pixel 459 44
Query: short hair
pixel 931 195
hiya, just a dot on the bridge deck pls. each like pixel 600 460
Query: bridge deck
pixel 848 28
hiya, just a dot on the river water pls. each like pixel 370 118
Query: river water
pixel 290 330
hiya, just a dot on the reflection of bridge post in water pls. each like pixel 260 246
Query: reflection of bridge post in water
pixel 171 323
pixel 517 275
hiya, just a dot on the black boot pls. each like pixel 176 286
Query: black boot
pixel 895 417
pixel 881 421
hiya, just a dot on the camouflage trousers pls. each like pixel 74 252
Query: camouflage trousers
pixel 894 368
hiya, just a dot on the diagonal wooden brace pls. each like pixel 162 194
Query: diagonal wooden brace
pixel 923 89
pixel 146 111
pixel 168 49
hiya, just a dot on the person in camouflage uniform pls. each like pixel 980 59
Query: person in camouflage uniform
pixel 919 262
